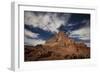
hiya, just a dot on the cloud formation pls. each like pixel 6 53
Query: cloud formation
pixel 47 21
pixel 83 33
pixel 34 42
pixel 30 34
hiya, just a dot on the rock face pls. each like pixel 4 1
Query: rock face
pixel 58 47
pixel 60 39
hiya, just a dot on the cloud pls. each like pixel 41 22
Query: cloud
pixel 30 34
pixel 84 32
pixel 41 33
pixel 30 38
pixel 47 21
pixel 82 35
pixel 34 42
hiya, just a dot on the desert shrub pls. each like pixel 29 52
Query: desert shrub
pixel 67 57
pixel 81 56
pixel 74 56
pixel 43 55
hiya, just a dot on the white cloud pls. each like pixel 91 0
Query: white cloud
pixel 30 41
pixel 30 18
pixel 33 42
pixel 30 34
pixel 47 21
pixel 39 41
pixel 84 33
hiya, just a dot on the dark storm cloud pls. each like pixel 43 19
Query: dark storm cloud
pixel 76 21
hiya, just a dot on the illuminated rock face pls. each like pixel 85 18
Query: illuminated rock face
pixel 60 39
pixel 58 47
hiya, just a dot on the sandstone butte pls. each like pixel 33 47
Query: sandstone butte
pixel 58 47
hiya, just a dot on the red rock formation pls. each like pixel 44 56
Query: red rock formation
pixel 58 47
pixel 60 39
